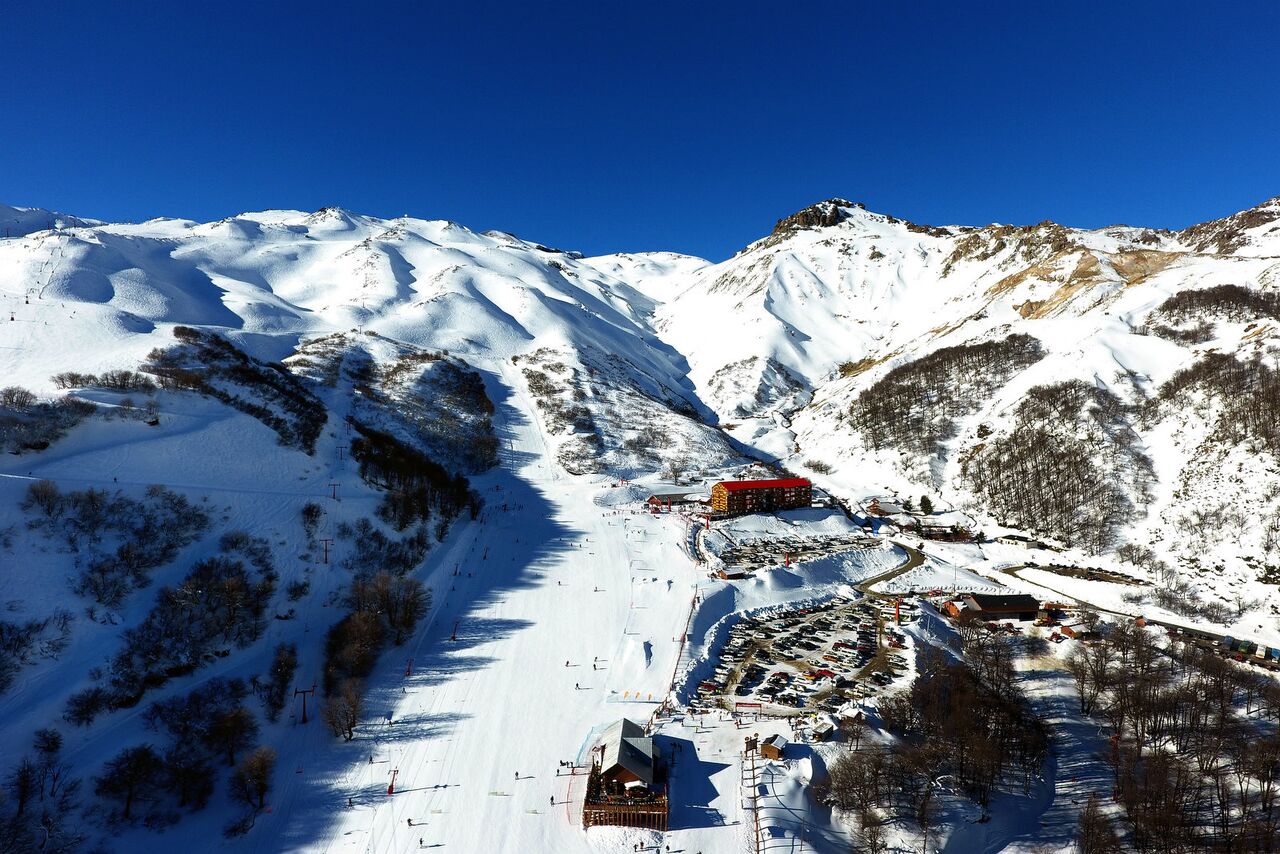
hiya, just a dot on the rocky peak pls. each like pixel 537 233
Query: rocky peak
pixel 1228 234
pixel 1029 243
pixel 822 215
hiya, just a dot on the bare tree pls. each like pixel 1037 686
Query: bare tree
pixel 132 774
pixel 45 496
pixel 853 728
pixel 232 732
pixel 342 709
pixel 23 784
pixel 252 779
pixel 1096 834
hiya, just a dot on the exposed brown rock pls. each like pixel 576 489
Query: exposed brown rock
pixel 822 215
pixel 1227 235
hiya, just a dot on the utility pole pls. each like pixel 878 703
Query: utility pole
pixel 333 487
pixel 326 542
pixel 304 692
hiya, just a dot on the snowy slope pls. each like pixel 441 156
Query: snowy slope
pixel 654 366
pixel 784 338
pixel 16 222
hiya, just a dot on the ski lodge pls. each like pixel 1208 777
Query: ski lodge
pixel 627 756
pixel 1018 606
pixel 1020 541
pixel 660 501
pixel 623 788
pixel 760 496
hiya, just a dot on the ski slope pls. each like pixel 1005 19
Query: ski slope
pixel 675 361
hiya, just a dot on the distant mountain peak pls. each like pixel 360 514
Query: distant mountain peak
pixel 821 215
pixel 1234 232
pixel 17 222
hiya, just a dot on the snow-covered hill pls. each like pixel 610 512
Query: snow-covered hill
pixel 332 403
pixel 15 222
pixel 792 339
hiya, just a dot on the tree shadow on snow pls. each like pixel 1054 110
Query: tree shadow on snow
pixel 505 551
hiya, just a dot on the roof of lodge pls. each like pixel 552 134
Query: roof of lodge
pixel 1013 602
pixel 625 745
pixel 782 483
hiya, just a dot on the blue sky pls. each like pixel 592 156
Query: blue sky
pixel 609 127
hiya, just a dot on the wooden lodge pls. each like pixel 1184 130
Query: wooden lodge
pixel 624 788
pixel 731 497
pixel 650 815
pixel 664 501
pixel 1017 606
pixel 773 747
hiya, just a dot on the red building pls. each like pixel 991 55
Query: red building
pixel 757 496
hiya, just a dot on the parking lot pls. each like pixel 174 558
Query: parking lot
pixel 771 551
pixel 810 659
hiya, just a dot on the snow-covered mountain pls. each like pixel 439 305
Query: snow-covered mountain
pixel 786 343
pixel 323 391
pixel 15 222
pixel 799 338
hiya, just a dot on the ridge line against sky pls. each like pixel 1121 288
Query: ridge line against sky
pixel 660 127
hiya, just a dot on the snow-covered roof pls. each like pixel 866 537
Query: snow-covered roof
pixel 626 746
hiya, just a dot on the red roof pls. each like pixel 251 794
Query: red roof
pixel 784 483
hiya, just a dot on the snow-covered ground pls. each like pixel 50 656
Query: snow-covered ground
pixel 565 606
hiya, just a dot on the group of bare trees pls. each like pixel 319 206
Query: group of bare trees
pixel 206 728
pixel 39 813
pixel 117 380
pixel 30 424
pixel 209 727
pixel 23 643
pixel 385 604
pixel 147 533
pixel 445 403
pixel 915 406
pixel 220 604
pixel 1230 302
pixel 210 364
pixel 965 722
pixel 1245 393
pixel 275 691
pixel 1195 749
pixel 1188 317
pixel 1070 467
pixel 418 487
